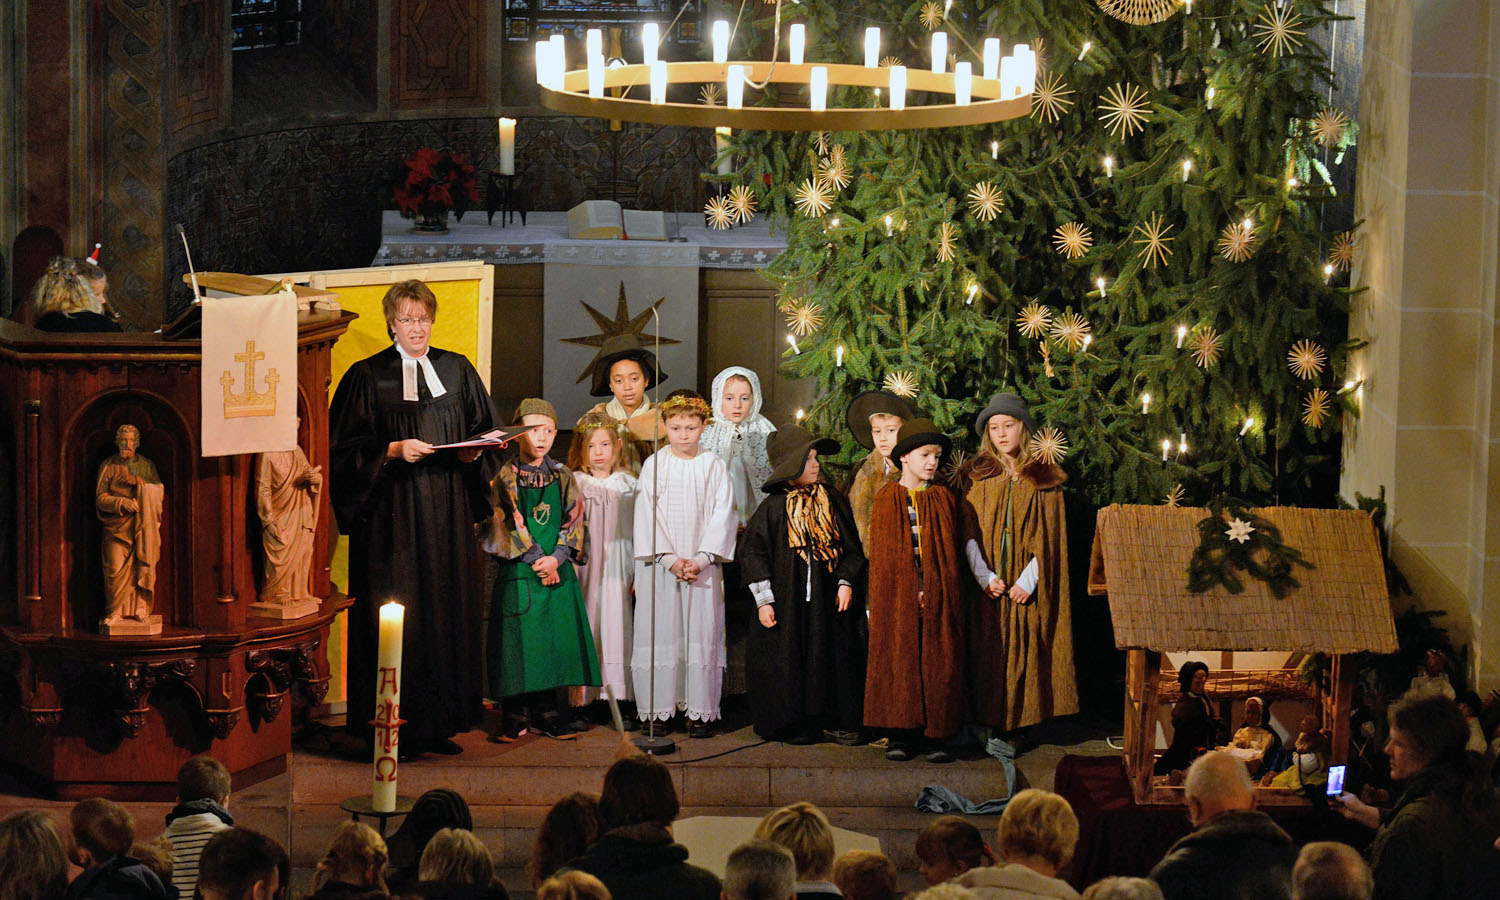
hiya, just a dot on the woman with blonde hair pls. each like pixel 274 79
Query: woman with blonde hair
pixel 354 866
pixel 1037 834
pixel 803 829
pixel 457 866
pixel 64 301
pixel 33 863
pixel 572 886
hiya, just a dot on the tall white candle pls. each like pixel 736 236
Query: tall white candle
pixel 963 83
pixel 593 42
pixel 796 42
pixel 721 41
pixel 734 87
pixel 507 146
pixel 387 706
pixel 1026 58
pixel 658 82
pixel 992 58
pixel 872 47
pixel 596 75
pixel 818 89
pixel 559 59
pixel 1010 77
pixel 939 52
pixel 650 38
pixel 543 63
pixel 721 147
pixel 898 87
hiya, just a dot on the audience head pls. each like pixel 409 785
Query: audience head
pixel 572 886
pixel 33 862
pixel 357 856
pixel 567 830
pixel 62 289
pixel 1119 888
pixel 100 829
pixel 760 869
pixel 95 277
pixel 241 864
pixel 1426 730
pixel 638 790
pixel 203 778
pixel 863 875
pixel 154 857
pixel 1038 830
pixel 1327 870
pixel 948 890
pixel 803 829
pixel 434 810
pixel 456 856
pixel 950 847
pixel 1217 782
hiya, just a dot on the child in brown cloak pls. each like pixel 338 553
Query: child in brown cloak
pixel 914 680
pixel 875 419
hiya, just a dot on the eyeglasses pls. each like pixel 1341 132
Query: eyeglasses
pixel 407 321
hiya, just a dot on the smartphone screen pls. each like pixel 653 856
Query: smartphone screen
pixel 1335 780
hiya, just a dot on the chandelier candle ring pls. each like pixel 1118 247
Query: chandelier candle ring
pixel 979 101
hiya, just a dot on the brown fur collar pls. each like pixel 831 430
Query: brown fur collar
pixel 1042 474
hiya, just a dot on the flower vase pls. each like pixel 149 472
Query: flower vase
pixel 431 221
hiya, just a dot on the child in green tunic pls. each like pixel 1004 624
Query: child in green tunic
pixel 539 638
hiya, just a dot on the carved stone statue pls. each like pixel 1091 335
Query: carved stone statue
pixel 129 497
pixel 286 497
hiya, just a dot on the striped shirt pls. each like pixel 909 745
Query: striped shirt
pixel 186 836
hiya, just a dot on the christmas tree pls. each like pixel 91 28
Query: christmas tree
pixel 1141 257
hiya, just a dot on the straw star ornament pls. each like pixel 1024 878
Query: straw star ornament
pixel 1125 110
pixel 932 15
pixel 835 172
pixel 1315 408
pixel 709 95
pixel 814 197
pixel 1328 126
pixel 1176 495
pixel 902 383
pixel 720 216
pixel 1050 98
pixel 889 62
pixel 985 201
pixel 804 317
pixel 1073 240
pixel 1071 330
pixel 1342 256
pixel 1049 446
pixel 946 241
pixel 1236 242
pixel 821 142
pixel 1276 30
pixel 742 203
pixel 1154 241
pixel 1206 346
pixel 1306 359
pixel 1034 320
pixel 1140 12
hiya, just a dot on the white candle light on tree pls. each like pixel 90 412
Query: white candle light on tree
pixel 721 41
pixel 1109 167
pixel 796 42
pixel 721 146
pixel 872 47
pixel 1181 335
pixel 387 720
pixel 1145 403
pixel 818 89
pixel 508 146
pixel 650 38
pixel 939 52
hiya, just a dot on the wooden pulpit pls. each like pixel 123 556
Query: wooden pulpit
pixel 92 715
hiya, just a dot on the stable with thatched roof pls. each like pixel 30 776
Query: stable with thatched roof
pixel 1340 606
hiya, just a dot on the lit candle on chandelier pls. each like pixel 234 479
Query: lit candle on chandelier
pixel 992 58
pixel 543 63
pixel 507 146
pixel 734 87
pixel 1010 77
pixel 898 87
pixel 1026 63
pixel 796 42
pixel 963 83
pixel 387 719
pixel 650 39
pixel 818 89
pixel 939 52
pixel 721 41
pixel 593 42
pixel 559 59
pixel 658 83
pixel 596 76
pixel 872 47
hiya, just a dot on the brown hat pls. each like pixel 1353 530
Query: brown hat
pixel 616 348
pixel 875 403
pixel 788 447
pixel 919 433
pixel 534 406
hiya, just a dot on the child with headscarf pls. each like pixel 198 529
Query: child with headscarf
pixel 738 436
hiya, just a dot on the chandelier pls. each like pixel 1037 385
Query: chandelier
pixel 1001 90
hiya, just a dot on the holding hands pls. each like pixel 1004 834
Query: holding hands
pixel 546 569
pixel 995 588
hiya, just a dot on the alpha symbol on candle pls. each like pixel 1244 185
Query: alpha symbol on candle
pixel 385 768
pixel 389 678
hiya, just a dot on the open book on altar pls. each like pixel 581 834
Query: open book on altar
pixel 495 437
pixel 606 220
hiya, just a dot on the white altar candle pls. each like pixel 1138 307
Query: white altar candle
pixel 387 707
pixel 559 60
pixel 721 41
pixel 658 83
pixel 721 147
pixel 507 146
pixel 1026 58
pixel 898 87
pixel 939 52
pixel 992 58
pixel 1010 77
pixel 818 89
pixel 596 75
pixel 963 83
pixel 734 87
pixel 796 42
pixel 650 38
pixel 872 47
pixel 543 63
pixel 593 42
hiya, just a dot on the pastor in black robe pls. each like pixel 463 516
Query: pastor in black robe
pixel 411 538
pixel 809 669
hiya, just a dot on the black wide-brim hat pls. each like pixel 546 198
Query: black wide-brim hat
pixel 1004 404
pixel 614 349
pixel 875 403
pixel 787 448
pixel 919 433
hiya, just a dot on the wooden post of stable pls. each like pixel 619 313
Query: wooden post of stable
pixel 1142 677
pixel 1337 704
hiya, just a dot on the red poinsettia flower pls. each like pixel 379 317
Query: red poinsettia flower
pixel 434 181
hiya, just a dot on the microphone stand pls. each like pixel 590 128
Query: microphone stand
pixel 651 742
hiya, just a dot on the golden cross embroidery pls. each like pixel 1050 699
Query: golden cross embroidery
pixel 250 402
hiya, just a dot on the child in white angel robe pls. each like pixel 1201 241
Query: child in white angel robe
pixel 609 492
pixel 685 510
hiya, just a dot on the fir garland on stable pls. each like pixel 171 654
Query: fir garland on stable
pixel 1112 235
pixel 1233 540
